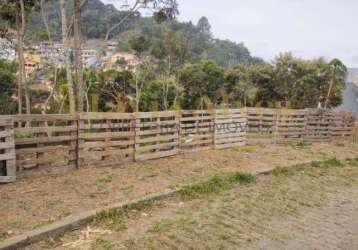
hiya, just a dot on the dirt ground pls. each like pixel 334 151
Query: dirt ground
pixel 31 203
pixel 304 208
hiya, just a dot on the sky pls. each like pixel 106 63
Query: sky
pixel 307 28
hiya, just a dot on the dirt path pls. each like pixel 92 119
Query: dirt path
pixel 31 203
pixel 305 208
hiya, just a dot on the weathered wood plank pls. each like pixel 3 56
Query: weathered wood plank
pixel 103 135
pixel 26 141
pixel 46 129
pixel 157 155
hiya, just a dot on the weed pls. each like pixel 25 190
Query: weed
pixel 160 226
pixel 117 215
pixel 120 226
pixel 339 144
pixel 225 162
pixel 102 244
pixel 327 164
pixel 24 205
pixel 100 182
pixel 215 184
pixel 278 171
pixel 69 182
pixel 300 145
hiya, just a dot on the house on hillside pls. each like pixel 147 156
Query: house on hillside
pixel 32 63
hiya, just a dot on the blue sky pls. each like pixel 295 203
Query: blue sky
pixel 307 28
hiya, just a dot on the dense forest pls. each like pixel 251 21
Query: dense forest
pixel 98 19
pixel 182 66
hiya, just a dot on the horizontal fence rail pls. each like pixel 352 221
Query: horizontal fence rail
pixel 55 143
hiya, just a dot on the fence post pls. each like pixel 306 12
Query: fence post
pixel 275 128
pixel 79 124
pixel 7 150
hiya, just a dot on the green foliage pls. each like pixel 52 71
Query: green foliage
pixel 7 87
pixel 327 164
pixel 216 184
pixel 227 53
pixel 139 44
pixel 183 65
pixel 121 61
pixel 289 171
pixel 306 83
pixel 279 171
pixel 201 80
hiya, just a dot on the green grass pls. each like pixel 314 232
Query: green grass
pixel 24 205
pixel 215 184
pixel 285 171
pixel 117 216
pixel 100 182
pixel 101 244
pixel 300 145
pixel 327 164
pixel 282 171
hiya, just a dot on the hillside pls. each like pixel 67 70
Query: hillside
pixel 353 76
pixel 97 18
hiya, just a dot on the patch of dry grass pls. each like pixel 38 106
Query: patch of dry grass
pixel 241 216
pixel 31 203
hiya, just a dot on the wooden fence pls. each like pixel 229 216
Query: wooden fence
pixel 7 150
pixel 56 143
pixel 196 130
pixel 230 128
pixel 306 125
pixel 45 143
pixel 105 138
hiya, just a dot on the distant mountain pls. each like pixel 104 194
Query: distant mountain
pixel 97 17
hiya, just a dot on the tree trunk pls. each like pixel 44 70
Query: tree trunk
pixel 19 75
pixel 21 24
pixel 137 93
pixel 66 47
pixel 78 55
pixel 21 52
pixel 328 94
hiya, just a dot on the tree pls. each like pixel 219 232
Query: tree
pixel 116 89
pixel 204 27
pixel 7 87
pixel 15 14
pixel 144 73
pixel 199 81
pixel 338 74
pixel 78 55
pixel 228 54
pixel 66 46
pixel 162 11
pixel 240 85
pixel 139 44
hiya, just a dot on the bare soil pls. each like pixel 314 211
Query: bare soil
pixel 305 208
pixel 31 203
